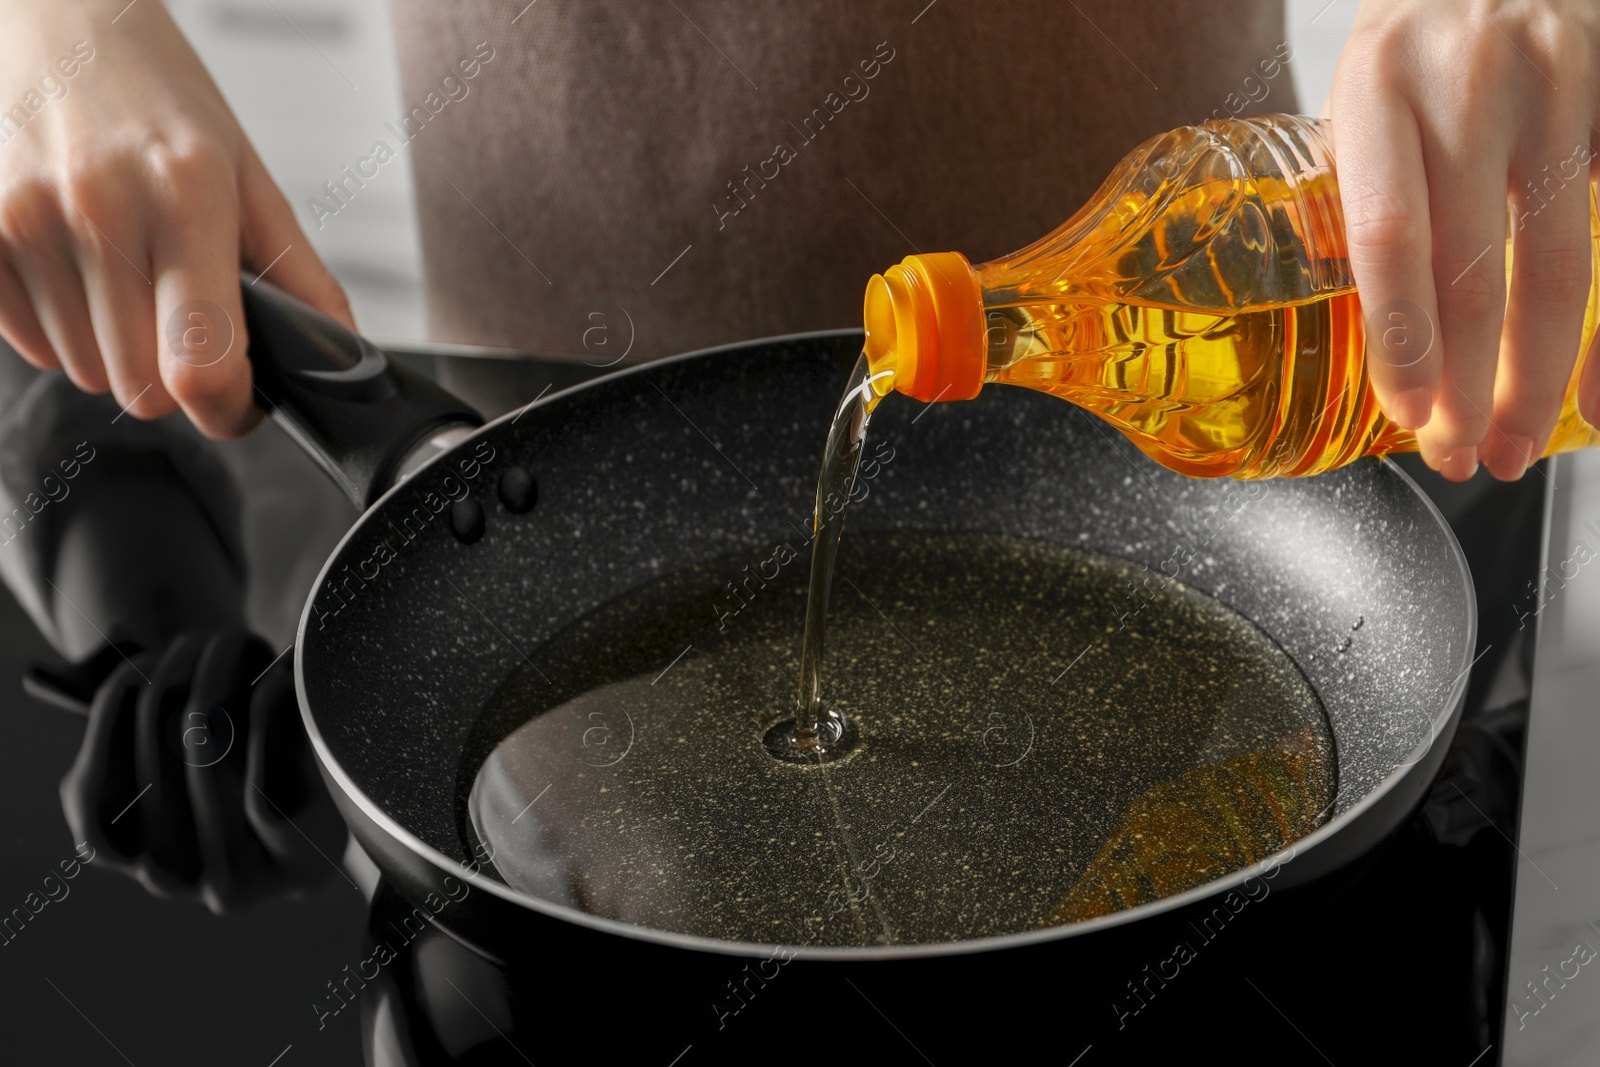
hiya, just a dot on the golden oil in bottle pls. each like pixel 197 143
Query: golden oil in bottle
pixel 1202 303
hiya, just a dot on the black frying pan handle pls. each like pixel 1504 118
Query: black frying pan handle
pixel 353 409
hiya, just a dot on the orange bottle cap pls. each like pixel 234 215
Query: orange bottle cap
pixel 924 322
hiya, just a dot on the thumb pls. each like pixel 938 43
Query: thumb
pixel 273 246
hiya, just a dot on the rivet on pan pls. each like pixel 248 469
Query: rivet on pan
pixel 518 491
pixel 466 520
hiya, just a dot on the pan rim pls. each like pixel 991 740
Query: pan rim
pixel 445 866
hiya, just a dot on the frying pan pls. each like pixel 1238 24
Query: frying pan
pixel 460 566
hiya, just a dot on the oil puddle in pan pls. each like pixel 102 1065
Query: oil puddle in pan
pixel 1021 761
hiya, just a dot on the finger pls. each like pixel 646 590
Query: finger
pixel 114 264
pixel 102 785
pixel 122 310
pixel 1467 198
pixel 1551 280
pixel 1385 197
pixel 275 247
pixel 172 860
pixel 195 253
pixel 234 865
pixel 19 325
pixel 50 278
pixel 30 221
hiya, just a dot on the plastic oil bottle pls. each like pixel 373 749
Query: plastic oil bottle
pixel 1201 303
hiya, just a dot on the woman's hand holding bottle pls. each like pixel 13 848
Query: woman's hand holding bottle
pixel 1442 110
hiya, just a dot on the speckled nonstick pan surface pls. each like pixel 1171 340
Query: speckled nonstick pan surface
pixel 650 470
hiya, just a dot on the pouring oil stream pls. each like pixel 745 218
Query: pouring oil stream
pixel 819 730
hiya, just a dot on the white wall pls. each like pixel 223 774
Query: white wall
pixel 313 82
pixel 1317 31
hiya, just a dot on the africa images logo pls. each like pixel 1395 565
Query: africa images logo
pixel 199 333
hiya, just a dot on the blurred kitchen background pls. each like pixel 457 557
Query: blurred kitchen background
pixel 314 81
